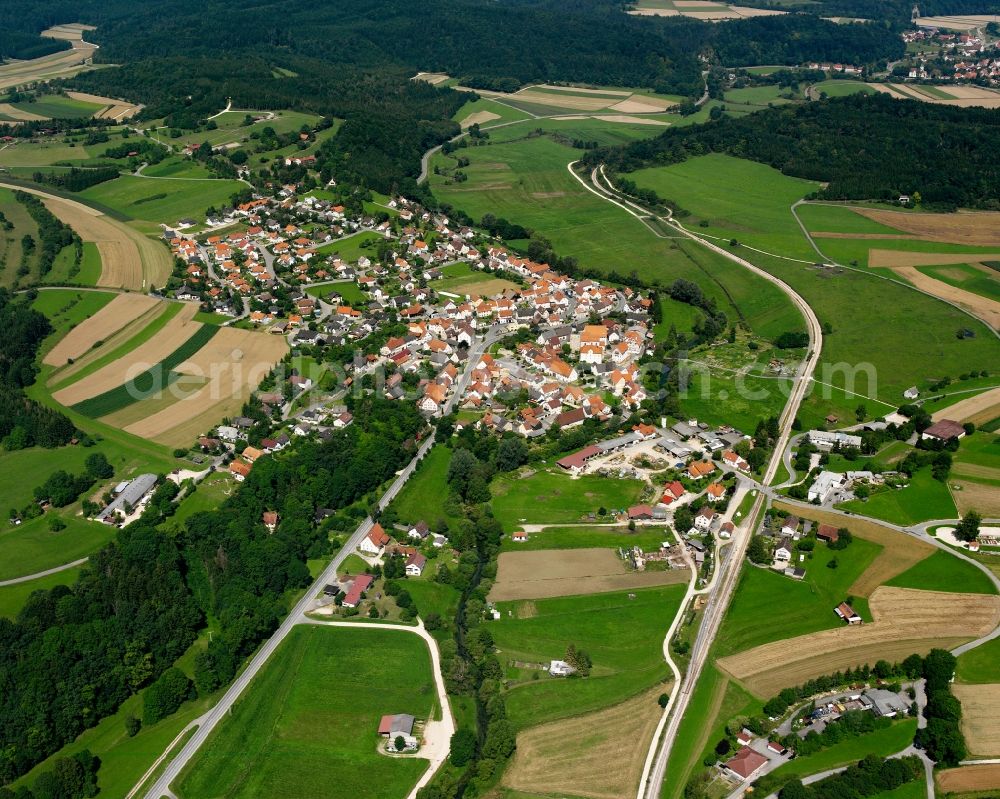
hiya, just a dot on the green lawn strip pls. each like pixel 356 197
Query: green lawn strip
pixel 148 382
pixel 623 637
pixel 161 200
pixel 807 605
pixel 90 266
pixel 207 318
pixel 923 499
pixel 694 732
pixel 13 597
pixel 310 719
pixel 584 537
pixel 942 571
pixel 882 743
pixel 980 665
pixel 549 496
pixel 422 498
pixel 168 312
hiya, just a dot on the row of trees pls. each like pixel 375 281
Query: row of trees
pixel 24 422
pixel 863 146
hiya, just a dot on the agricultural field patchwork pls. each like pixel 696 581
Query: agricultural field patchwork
pixel 904 621
pixel 705 10
pixel 167 377
pixel 528 183
pixel 703 185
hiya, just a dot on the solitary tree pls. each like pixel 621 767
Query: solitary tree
pixel 399 743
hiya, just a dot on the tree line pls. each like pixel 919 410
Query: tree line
pixel 143 599
pixel 864 146
pixel 24 422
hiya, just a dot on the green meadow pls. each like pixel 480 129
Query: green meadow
pixel 527 182
pixel 309 720
pixel 980 665
pixel 549 496
pixel 350 248
pixel 806 605
pixel 942 571
pixel 14 597
pixel 622 635
pixel 348 289
pixel 922 500
pixel 161 200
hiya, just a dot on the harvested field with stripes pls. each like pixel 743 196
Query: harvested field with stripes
pixel 63 64
pixel 117 314
pixel 969 778
pixel 215 383
pixel 904 621
pixel 981 228
pixel 960 96
pixel 173 335
pixel 129 260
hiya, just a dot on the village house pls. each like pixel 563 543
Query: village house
pixel 375 542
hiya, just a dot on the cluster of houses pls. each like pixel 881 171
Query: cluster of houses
pixel 958 56
pixel 786 533
pixel 834 69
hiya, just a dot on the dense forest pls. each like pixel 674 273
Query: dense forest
pixel 354 59
pixel 141 601
pixel 865 146
pixel 24 422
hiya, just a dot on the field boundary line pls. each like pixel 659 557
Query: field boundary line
pixel 832 262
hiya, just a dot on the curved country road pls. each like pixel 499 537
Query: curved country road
pixel 728 571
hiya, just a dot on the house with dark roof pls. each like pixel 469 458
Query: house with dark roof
pixel 944 430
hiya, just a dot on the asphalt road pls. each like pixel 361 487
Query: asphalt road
pixel 211 719
pixel 729 567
